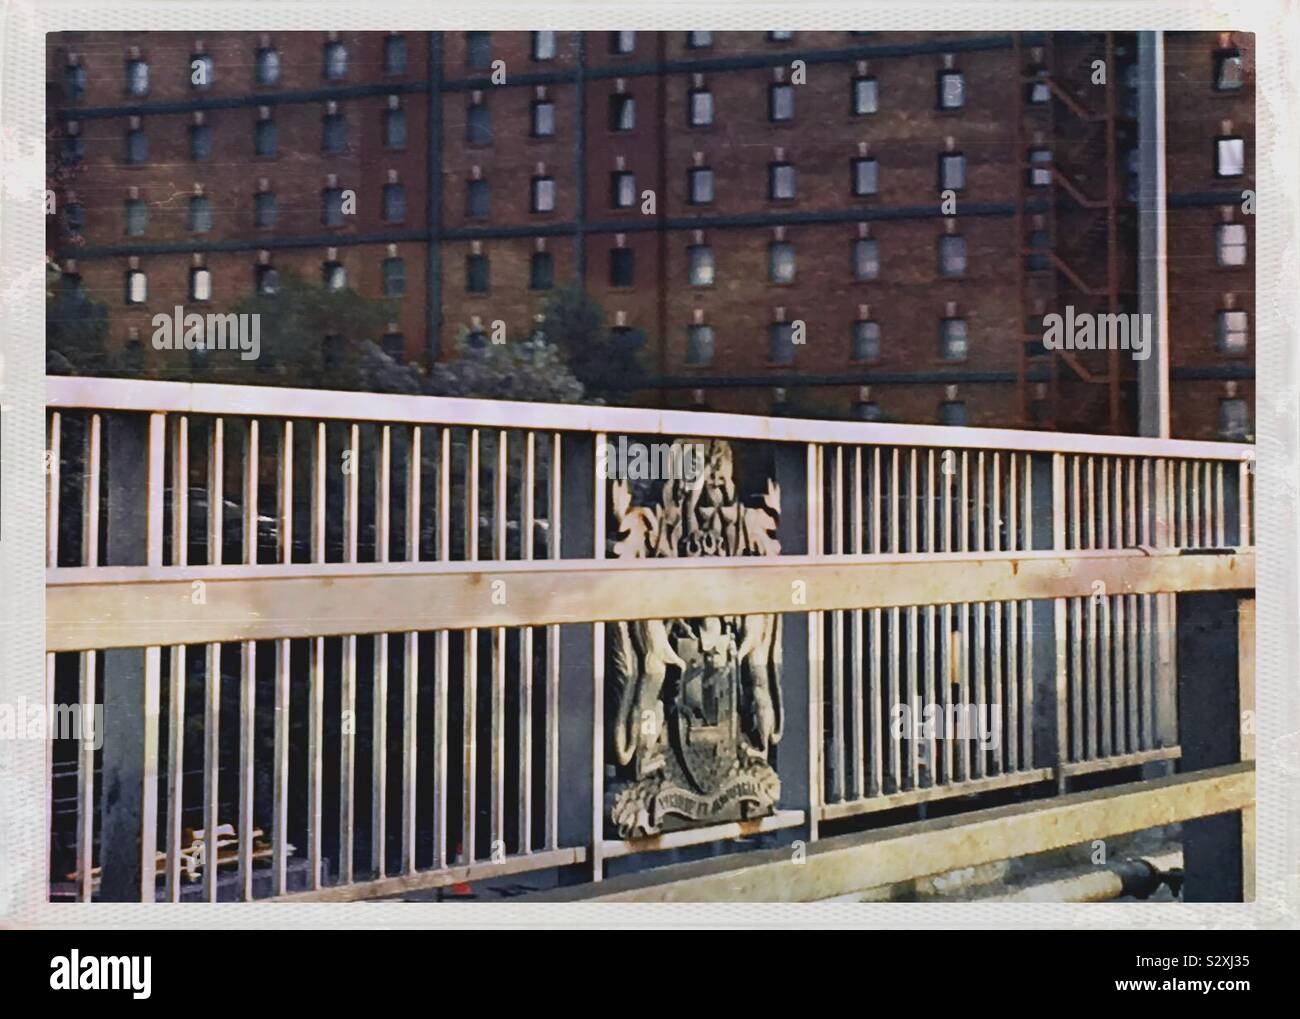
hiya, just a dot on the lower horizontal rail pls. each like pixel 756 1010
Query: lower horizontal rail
pixel 848 863
pixel 402 884
pixel 947 791
pixel 1121 761
pixel 127 606
pixel 698 836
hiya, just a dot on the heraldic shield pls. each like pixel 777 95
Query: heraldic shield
pixel 694 705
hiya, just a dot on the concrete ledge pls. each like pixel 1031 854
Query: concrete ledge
pixel 846 863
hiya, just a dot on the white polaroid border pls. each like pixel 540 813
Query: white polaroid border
pixel 22 423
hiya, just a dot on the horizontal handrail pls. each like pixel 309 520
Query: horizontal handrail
pixel 129 606
pixel 149 396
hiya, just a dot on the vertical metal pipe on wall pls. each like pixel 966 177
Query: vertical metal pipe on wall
pixel 1153 281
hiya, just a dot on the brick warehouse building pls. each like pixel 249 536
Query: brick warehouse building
pixel 798 258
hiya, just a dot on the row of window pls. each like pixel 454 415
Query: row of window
pixel 201 69
pixel 266 280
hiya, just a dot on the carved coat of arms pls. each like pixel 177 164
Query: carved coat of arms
pixel 695 704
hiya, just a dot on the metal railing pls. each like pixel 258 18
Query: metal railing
pixel 365 630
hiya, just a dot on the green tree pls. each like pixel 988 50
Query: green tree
pixel 76 328
pixel 607 361
pixel 530 369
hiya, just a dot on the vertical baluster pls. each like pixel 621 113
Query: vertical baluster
pixel 963 617
pixel 1076 624
pixel 911 506
pixel 348 698
pixel 53 458
pixel 1184 532
pixel 176 681
pixel 1027 669
pixel 469 744
pixel 1152 475
pixel 857 650
pixel 442 670
pixel 947 669
pixel 411 660
pixel 1133 504
pixel 316 677
pixel 1011 612
pixel 895 629
pixel 1220 521
pixel 837 637
pixel 553 509
pixel 379 678
pixel 877 785
pixel 599 510
pixel 998 701
pixel 248 675
pixel 816 722
pixel 1195 537
pixel 212 703
pixel 931 748
pixel 498 721
pixel 1101 610
pixel 283 666
pixel 979 609
pixel 1245 536
pixel 88 667
pixel 527 551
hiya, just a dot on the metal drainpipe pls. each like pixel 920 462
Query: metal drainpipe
pixel 1153 276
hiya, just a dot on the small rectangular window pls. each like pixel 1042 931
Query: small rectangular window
pixel 200 142
pixel 395 54
pixel 1234 332
pixel 477 198
pixel 952 90
pixel 476 274
pixel 1038 91
pixel 781 262
pixel 394 276
pixel 1230 157
pixel 622 189
pixel 137 287
pixel 333 275
pixel 952 171
pixel 952 255
pixel 394 203
pixel 137 78
pixel 200 214
pixel 266 139
pixel 478 50
pixel 780 343
pixel 953 413
pixel 866 96
pixel 336 61
pixel 954 344
pixel 74 82
pixel 71 150
pixel 334 133
pixel 332 206
pixel 780 182
pixel 1230 243
pixel 700 107
pixel 780 101
pixel 622 267
pixel 1040 168
pixel 1234 419
pixel 478 124
pixel 395 129
pixel 867 410
pixel 137 217
pixel 622 42
pixel 866 341
pixel 543 45
pixel 1229 71
pixel 866 259
pixel 700 182
pixel 699 40
pixel 780 36
pixel 74 217
pixel 265 209
pixel 866 177
pixel 699 344
pixel 1037 260
pixel 543 118
pixel 200 284
pixel 543 194
pixel 394 345
pixel 541 274
pixel 137 147
pixel 622 112
pixel 700 260
pixel 268 66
